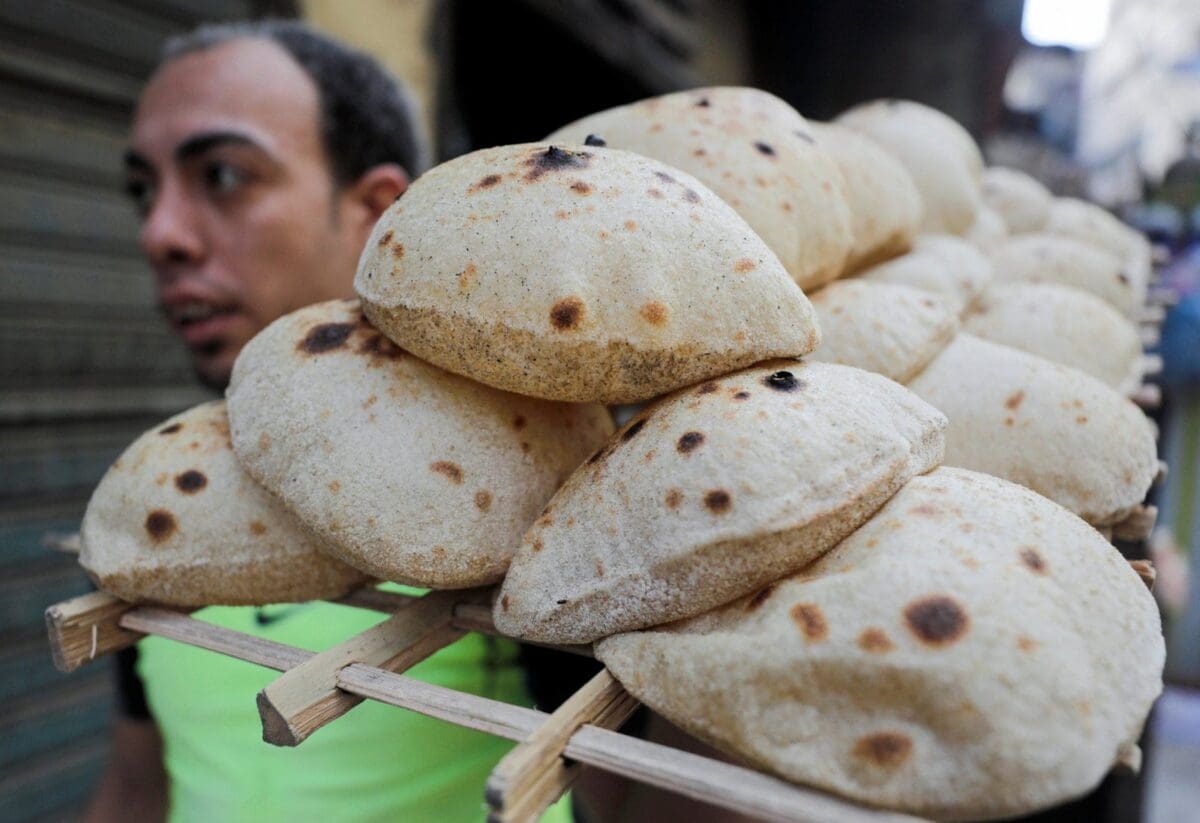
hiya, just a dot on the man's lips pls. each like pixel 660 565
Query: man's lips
pixel 198 332
pixel 199 322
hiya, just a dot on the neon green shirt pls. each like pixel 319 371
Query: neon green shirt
pixel 377 763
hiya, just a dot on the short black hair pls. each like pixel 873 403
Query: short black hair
pixel 366 116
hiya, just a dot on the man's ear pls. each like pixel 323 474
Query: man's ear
pixel 378 188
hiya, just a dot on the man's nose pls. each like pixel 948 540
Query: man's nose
pixel 170 233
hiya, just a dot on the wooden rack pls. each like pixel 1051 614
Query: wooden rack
pixel 317 688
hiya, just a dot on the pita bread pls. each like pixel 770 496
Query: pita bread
pixel 987 232
pixel 882 327
pixel 408 472
pixel 1091 224
pixel 946 265
pixel 940 155
pixel 1049 258
pixel 711 493
pixel 1019 199
pixel 753 150
pixel 973 652
pixel 583 274
pixel 885 206
pixel 1048 427
pixel 1061 324
pixel 177 521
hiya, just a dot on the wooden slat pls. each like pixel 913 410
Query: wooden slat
pixel 177 625
pixel 1148 397
pixel 1162 472
pixel 1152 315
pixel 533 775
pixel 376 600
pixel 86 627
pixel 307 697
pixel 722 784
pixel 1138 525
pixel 1152 364
pixel 1145 570
pixel 1162 297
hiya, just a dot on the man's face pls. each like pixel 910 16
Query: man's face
pixel 241 220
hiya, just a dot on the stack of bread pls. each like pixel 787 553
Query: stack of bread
pixel 768 552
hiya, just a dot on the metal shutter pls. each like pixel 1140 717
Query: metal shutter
pixel 85 362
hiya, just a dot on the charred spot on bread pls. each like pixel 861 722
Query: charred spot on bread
pixel 567 314
pixel 580 187
pixel 554 159
pixel 936 620
pixel 325 337
pixel 674 498
pixel 191 481
pixel 783 381
pixel 1033 560
pixel 885 749
pixel 718 501
pixel 486 182
pixel 451 471
pixel 689 441
pixel 764 148
pixel 654 313
pixel 595 140
pixel 160 524
pixel 171 429
pixel 811 620
pixel 874 640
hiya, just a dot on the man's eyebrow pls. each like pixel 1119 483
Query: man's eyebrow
pixel 198 144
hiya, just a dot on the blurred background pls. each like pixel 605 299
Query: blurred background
pixel 1097 98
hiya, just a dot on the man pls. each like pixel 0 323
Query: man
pixel 260 157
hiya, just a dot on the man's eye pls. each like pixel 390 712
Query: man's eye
pixel 223 178
pixel 141 193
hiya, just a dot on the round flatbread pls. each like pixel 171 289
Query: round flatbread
pixel 940 155
pixel 1061 324
pixel 885 206
pixel 1092 224
pixel 753 150
pixel 577 273
pixel 974 651
pixel 408 472
pixel 988 231
pixel 177 521
pixel 1050 428
pixel 1042 257
pixel 948 266
pixel 1019 199
pixel 713 492
pixel 884 328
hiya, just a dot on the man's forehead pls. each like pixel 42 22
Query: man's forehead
pixel 250 85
